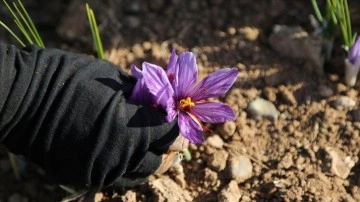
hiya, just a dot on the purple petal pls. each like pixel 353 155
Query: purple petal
pixel 190 129
pixel 186 74
pixel 171 110
pixel 170 71
pixel 141 94
pixel 157 82
pixel 216 84
pixel 213 112
pixel 136 72
pixel 354 53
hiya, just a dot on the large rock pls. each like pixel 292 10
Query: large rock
pixel 294 42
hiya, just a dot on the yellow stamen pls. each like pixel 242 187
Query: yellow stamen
pixel 184 103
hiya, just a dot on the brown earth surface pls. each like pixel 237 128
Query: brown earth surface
pixel 305 147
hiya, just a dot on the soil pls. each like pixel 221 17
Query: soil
pixel 309 148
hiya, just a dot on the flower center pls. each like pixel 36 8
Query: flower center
pixel 186 103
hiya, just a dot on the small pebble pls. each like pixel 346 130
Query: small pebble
pixel 343 102
pixel 325 91
pixel 129 196
pixel 262 108
pixel 217 160
pixel 250 33
pixel 287 95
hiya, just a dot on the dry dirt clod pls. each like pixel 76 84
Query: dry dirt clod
pixel 215 141
pixel 227 129
pixel 259 108
pixel 250 33
pixel 287 95
pixel 217 160
pixel 177 171
pixel 211 179
pixel 340 167
pixel 129 196
pixel 230 192
pixel 98 197
pixel 166 189
pixel 286 162
pixel 240 168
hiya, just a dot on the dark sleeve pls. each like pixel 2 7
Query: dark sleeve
pixel 69 114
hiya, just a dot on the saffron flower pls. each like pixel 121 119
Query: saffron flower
pixel 176 90
pixel 352 63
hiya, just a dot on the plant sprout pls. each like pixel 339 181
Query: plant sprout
pixel 338 15
pixel 29 31
pixel 25 25
pixel 95 32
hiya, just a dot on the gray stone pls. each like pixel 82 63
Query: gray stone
pixel 343 102
pixel 295 42
pixel 259 108
pixel 325 91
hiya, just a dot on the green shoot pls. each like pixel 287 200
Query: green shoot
pixel 95 32
pixel 24 23
pixel 317 11
pixel 28 29
pixel 33 29
pixel 13 34
pixel 340 9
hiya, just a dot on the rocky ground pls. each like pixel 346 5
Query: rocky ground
pixel 296 136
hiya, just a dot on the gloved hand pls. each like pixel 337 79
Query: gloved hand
pixel 70 114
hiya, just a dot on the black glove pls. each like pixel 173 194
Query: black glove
pixel 69 113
